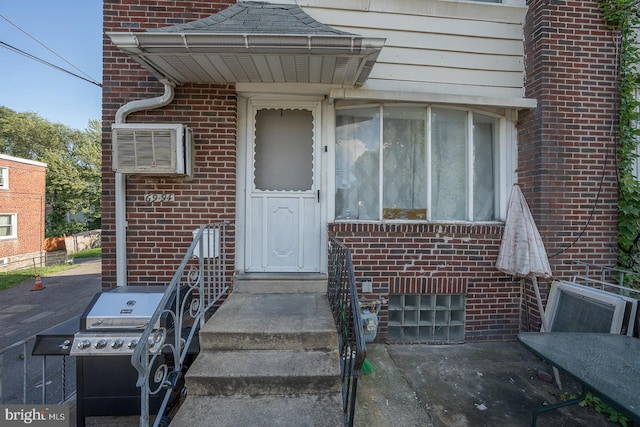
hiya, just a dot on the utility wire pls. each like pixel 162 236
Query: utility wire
pixel 42 61
pixel 612 139
pixel 87 77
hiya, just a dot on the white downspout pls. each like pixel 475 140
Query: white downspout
pixel 121 181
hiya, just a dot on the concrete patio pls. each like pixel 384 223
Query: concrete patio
pixel 476 384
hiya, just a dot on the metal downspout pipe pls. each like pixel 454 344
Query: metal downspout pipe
pixel 121 181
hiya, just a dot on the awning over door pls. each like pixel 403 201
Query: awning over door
pixel 253 42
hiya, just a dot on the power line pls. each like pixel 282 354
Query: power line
pixel 42 61
pixel 87 77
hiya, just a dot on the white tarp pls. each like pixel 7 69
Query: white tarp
pixel 522 252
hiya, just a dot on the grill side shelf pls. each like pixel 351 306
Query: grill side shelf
pixel 57 339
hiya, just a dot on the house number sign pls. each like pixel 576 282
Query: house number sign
pixel 159 197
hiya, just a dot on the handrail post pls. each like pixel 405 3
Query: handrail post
pixel 345 307
pixel 196 287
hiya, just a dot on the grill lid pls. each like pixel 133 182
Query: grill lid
pixel 127 309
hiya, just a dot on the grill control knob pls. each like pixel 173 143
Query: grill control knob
pixel 117 343
pixel 132 344
pixel 83 344
pixel 100 344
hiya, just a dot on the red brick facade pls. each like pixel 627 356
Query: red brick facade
pixel 25 198
pixel 565 168
pixel 158 234
pixel 566 147
pixel 438 259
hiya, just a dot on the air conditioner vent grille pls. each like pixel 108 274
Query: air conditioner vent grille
pixel 151 149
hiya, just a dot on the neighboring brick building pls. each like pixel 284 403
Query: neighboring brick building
pixel 418 130
pixel 22 212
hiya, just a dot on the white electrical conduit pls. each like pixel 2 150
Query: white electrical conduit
pixel 121 182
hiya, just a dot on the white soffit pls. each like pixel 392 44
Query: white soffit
pixel 252 58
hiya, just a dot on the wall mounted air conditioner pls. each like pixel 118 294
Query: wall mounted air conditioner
pixel 153 149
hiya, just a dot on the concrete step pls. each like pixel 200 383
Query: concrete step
pixel 318 410
pixel 271 321
pixel 266 359
pixel 264 372
pixel 278 283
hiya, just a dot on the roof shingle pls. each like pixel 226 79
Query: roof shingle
pixel 253 17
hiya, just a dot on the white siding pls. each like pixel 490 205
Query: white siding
pixel 464 49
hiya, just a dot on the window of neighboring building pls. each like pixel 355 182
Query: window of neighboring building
pixel 416 163
pixel 4 178
pixel 8 227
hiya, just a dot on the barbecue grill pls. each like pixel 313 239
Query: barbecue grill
pixel 114 321
pixel 105 336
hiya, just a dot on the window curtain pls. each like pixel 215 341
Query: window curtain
pixel 448 164
pixel 404 163
pixel 358 164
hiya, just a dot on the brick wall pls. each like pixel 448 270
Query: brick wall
pixel 437 259
pixel 26 198
pixel 566 147
pixel 159 234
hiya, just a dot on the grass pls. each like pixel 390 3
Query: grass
pixel 89 253
pixel 10 279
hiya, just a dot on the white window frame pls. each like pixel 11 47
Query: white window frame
pixel 504 175
pixel 13 224
pixel 4 178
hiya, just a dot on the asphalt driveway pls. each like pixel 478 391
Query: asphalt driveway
pixel 25 312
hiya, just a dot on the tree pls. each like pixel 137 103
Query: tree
pixel 27 135
pixel 73 159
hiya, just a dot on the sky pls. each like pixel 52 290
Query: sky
pixel 72 29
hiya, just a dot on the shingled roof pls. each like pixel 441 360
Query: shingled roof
pixel 257 17
pixel 253 42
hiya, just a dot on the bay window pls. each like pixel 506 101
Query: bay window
pixel 416 163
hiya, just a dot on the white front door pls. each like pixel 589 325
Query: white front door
pixel 283 207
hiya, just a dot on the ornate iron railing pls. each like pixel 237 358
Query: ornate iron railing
pixel 345 306
pixel 196 286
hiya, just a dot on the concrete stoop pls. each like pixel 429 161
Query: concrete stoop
pixel 266 359
pixel 318 410
pixel 287 283
pixel 271 321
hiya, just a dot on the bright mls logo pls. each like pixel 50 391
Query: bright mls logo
pixel 34 415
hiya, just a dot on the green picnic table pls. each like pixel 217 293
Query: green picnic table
pixel 607 365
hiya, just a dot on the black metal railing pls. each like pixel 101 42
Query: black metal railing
pixel 197 285
pixel 34 379
pixel 345 307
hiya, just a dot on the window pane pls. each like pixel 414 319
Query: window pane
pixel 284 150
pixel 484 144
pixel 5 225
pixel 404 164
pixel 357 164
pixel 448 164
